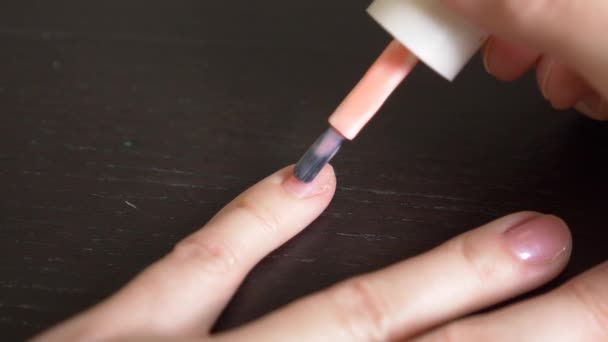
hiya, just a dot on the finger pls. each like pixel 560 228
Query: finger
pixel 507 61
pixel 570 30
pixel 559 84
pixel 578 311
pixel 183 293
pixel 593 106
pixel 504 258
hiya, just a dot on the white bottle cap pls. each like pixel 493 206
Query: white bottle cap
pixel 437 36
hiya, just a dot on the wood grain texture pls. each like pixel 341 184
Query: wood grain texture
pixel 127 124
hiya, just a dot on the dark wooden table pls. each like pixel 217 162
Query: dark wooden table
pixel 127 124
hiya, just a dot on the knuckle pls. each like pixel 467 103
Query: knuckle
pixel 589 292
pixel 263 218
pixel 480 264
pixel 210 256
pixel 359 310
pixel 525 12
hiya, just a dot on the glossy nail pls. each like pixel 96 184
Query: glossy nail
pixel 322 183
pixel 487 55
pixel 546 72
pixel 540 240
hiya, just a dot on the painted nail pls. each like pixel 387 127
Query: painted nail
pixel 322 183
pixel 539 241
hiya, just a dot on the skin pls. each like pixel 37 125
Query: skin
pixel 563 40
pixel 179 297
pixel 427 298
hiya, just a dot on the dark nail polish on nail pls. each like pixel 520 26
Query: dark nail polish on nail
pixel 304 190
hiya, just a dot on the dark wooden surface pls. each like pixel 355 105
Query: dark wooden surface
pixel 127 124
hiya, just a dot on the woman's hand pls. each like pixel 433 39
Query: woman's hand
pixel 566 40
pixel 181 296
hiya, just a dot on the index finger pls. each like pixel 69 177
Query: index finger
pixel 183 293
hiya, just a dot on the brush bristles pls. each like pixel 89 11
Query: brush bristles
pixel 318 155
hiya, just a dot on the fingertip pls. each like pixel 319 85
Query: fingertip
pixel 526 248
pixel 593 106
pixel 487 51
pixel 323 184
pixel 564 233
pixel 507 61
pixel 561 86
pixel 543 242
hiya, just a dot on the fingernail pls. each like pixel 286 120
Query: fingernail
pixel 323 183
pixel 591 105
pixel 486 56
pixel 541 240
pixel 546 77
pixel 583 108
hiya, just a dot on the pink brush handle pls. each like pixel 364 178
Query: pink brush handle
pixel 364 101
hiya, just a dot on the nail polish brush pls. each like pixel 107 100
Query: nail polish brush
pixel 423 30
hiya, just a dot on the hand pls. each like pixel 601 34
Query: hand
pixel 180 297
pixel 565 39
